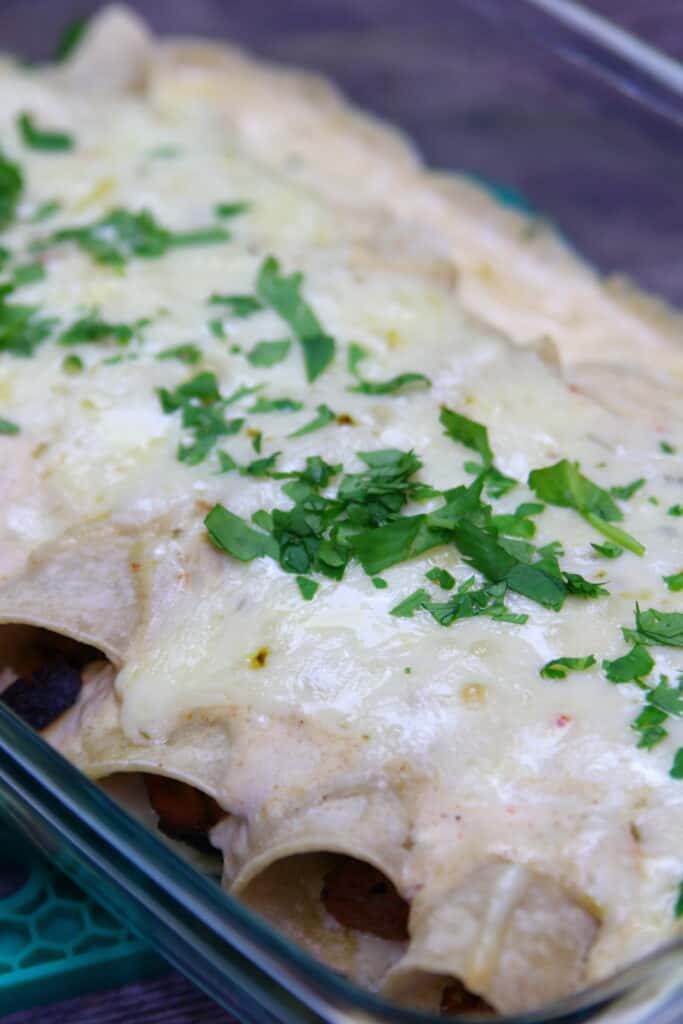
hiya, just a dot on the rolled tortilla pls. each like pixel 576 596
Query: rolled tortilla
pixel 81 586
pixel 513 936
pixel 285 864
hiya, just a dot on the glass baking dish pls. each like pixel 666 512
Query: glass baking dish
pixel 557 111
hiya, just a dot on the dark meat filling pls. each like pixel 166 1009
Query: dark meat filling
pixel 359 896
pixel 41 697
pixel 455 998
pixel 185 813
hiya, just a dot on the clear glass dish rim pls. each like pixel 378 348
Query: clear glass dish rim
pixel 38 785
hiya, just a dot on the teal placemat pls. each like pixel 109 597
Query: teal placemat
pixel 55 941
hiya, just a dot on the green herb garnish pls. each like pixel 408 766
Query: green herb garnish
pixel 269 353
pixel 72 364
pixel 39 138
pixel 91 329
pixel 22 328
pixel 307 586
pixel 188 354
pixel 11 187
pixel 69 38
pixel 676 771
pixel 675 510
pixel 674 582
pixel 231 534
pixel 649 725
pixel 667 448
pixel 628 490
pixel 655 627
pixel 559 667
pixel 283 294
pixel 267 405
pixel 7 427
pixel 563 484
pixel 324 416
pixel 228 210
pixel 240 306
pixel 442 577
pixel 608 550
pixel 637 664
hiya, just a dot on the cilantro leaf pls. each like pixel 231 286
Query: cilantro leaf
pixel 7 427
pixel 226 462
pixel 307 587
pixel 268 353
pixel 28 273
pixel 22 329
pixel 675 510
pixel 324 416
pixel 667 448
pixel 91 328
pixel 674 582
pixel 387 387
pixel 608 550
pixel 407 608
pixel 188 354
pixel 266 405
pixel 629 667
pixel 628 490
pixel 11 187
pixel 354 357
pixel 240 306
pixel 69 38
pixel 558 667
pixel 563 484
pixel 581 587
pixel 677 766
pixel 229 210
pixel 232 534
pixel 283 294
pixel 666 698
pixel 72 364
pixel 655 627
pixel 378 583
pixel 442 577
pixel 261 467
pixel 496 484
pixel 403 538
pixel 649 725
pixel 468 432
pixel 678 908
pixel 121 235
pixel 37 138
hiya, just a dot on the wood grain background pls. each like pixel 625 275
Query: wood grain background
pixel 615 192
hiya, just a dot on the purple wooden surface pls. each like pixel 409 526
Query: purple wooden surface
pixel 172 999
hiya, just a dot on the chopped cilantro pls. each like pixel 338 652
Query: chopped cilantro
pixel 378 583
pixel 240 306
pixel 442 577
pixel 226 462
pixel 675 510
pixel 583 588
pixel 72 364
pixel 649 725
pixel 403 538
pixel 22 329
pixel 558 667
pixel 261 467
pixel 7 427
pixel 217 329
pixel 230 533
pixel 11 187
pixel 228 210
pixel 406 609
pixel 628 490
pixel 655 627
pixel 266 405
pixel 387 387
pixel 563 484
pixel 468 432
pixel 324 416
pixel 674 582
pixel 268 353
pixel 256 440
pixel 469 602
pixel 91 328
pixel 70 37
pixel 496 484
pixel 283 294
pixel 121 235
pixel 608 550
pixel 678 908
pixel 307 587
pixel 202 416
pixel 189 354
pixel 667 448
pixel 677 766
pixel 38 138
pixel 666 698
pixel 634 665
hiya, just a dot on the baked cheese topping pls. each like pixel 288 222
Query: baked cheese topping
pixel 374 577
